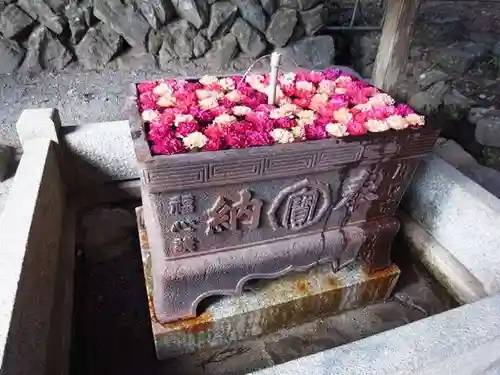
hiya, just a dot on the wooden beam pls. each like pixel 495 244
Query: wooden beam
pixel 394 45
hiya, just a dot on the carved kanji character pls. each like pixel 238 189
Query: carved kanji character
pixel 183 204
pixel 185 244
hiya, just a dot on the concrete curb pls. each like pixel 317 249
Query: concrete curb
pixel 30 266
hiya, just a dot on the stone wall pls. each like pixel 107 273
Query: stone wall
pixel 41 35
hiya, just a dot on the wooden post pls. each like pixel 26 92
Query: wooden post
pixel 394 45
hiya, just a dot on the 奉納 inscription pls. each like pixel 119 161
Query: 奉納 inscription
pixel 184 244
pixel 299 206
pixel 234 212
pixel 181 204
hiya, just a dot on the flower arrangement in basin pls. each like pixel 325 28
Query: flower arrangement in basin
pixel 213 113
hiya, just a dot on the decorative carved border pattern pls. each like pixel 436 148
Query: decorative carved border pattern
pixel 418 144
pixel 169 178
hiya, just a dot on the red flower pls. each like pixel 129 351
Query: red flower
pixel 185 128
pixel 202 115
pixel 316 131
pixel 302 102
pixel 285 123
pixel 235 140
pixel 168 146
pixel 288 90
pixel 145 87
pixel 147 100
pixel 220 110
pixel 167 117
pixel 157 132
pixel 356 128
pixel 214 144
pixel 214 131
pixel 241 127
pixel 225 102
pixel 315 77
pixel 258 138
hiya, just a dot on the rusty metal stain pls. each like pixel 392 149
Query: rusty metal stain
pixel 333 282
pixel 198 324
pixel 302 286
pixel 143 239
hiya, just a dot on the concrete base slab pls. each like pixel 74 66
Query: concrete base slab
pixel 268 306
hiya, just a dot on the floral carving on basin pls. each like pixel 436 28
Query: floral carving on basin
pixel 222 208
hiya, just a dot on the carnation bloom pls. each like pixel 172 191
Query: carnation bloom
pixel 415 120
pixel 194 140
pixel 168 146
pixel 306 117
pixel 183 129
pixel 318 101
pixel 207 94
pixel 227 84
pixel 331 73
pixel 241 110
pixel 282 136
pixel 285 123
pixel 376 125
pixel 214 144
pixel 147 100
pixel 166 101
pixel 403 110
pixel 326 87
pixel 356 128
pixel 315 131
pixel 208 80
pixel 182 118
pixel 381 99
pixel 163 89
pixel 208 103
pixel 224 119
pixel 396 122
pixel 299 132
pixel 150 115
pixel 342 115
pixel 336 130
pixel 287 79
pixel 146 87
pixel 258 138
pixel 233 96
pixel 315 77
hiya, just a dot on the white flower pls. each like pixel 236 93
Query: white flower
pixel 306 117
pixel 382 98
pixel 282 136
pixel 342 115
pixel 326 87
pixel 149 115
pixel 182 118
pixel 363 107
pixel 287 79
pixel 233 96
pixel 166 101
pixel 318 101
pixel 305 85
pixel 376 125
pixel 224 119
pixel 299 132
pixel 396 122
pixel 241 110
pixel 340 90
pixel 195 140
pixel 208 80
pixel 227 84
pixel 205 94
pixel 208 103
pixel 415 120
pixel 163 89
pixel 343 79
pixel 286 110
pixel 336 130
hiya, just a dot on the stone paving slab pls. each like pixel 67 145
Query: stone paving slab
pixel 269 306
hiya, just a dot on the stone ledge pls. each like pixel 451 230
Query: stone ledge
pixel 462 341
pixel 460 215
pixel 268 306
pixel 38 123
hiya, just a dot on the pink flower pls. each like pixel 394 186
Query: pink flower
pixel 260 121
pixel 214 144
pixel 316 131
pixel 241 127
pixel 214 131
pixel 225 102
pixel 302 102
pixel 404 110
pixel 157 132
pixel 235 140
pixel 285 123
pixel 168 146
pixel 221 110
pixel 356 128
pixel 183 129
pixel 202 115
pixel 146 87
pixel 147 100
pixel 258 138
pixel 315 77
pixel 331 73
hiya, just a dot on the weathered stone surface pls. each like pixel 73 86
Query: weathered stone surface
pixel 429 101
pixel 11 55
pixel 14 22
pixel 57 5
pixel 125 20
pixel 307 4
pixel 460 57
pixel 269 6
pixel 222 16
pixel 45 52
pixel 98 46
pixel 477 114
pixel 292 4
pixel 134 59
pixel 313 19
pixel 222 51
pixel 40 11
pixel 250 40
pixel 154 41
pixel 454 154
pixel 195 12
pixel 156 12
pixel 6 153
pixel 252 12
pixel 430 77
pixel 456 103
pixel 183 34
pixel 314 52
pixel 200 45
pixel 496 49
pixel 79 16
pixel 488 129
pixel 281 26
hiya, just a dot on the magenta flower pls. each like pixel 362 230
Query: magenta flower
pixel 285 123
pixel 331 73
pixel 168 146
pixel 316 131
pixel 356 128
pixel 147 100
pixel 146 87
pixel 183 129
